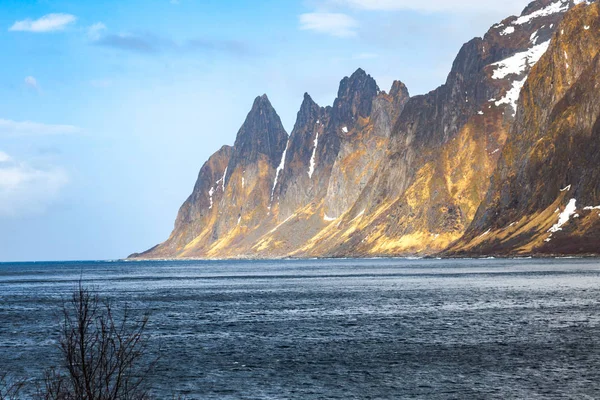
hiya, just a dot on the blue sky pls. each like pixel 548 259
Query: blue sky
pixel 108 109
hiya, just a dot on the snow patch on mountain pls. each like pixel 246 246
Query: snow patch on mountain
pixel 534 37
pixel 311 169
pixel 512 96
pixel 566 189
pixel 564 217
pixel 518 63
pixel 210 196
pixel 280 169
pixel 552 8
pixel 222 180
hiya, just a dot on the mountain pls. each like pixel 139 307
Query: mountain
pixel 544 195
pixel 232 194
pixel 380 174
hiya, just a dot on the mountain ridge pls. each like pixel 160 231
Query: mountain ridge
pixel 382 174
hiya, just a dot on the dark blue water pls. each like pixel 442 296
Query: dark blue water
pixel 346 329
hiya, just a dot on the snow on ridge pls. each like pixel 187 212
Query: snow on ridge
pixel 554 8
pixel 509 30
pixel 311 169
pixel 328 219
pixel 280 168
pixel 564 217
pixel 517 64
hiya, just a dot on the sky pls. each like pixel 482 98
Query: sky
pixel 108 109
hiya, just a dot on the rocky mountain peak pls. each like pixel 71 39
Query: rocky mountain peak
pixel 262 103
pixel 261 134
pixel 399 89
pixel 355 97
pixel 309 110
pixel 307 103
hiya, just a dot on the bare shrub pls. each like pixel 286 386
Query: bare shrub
pixel 10 389
pixel 104 355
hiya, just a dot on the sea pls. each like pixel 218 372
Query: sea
pixel 331 329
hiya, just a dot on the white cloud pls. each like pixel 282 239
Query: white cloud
pixel 4 158
pixel 27 128
pixel 334 24
pixel 26 190
pixel 95 30
pixel 47 23
pixel 31 82
pixel 506 6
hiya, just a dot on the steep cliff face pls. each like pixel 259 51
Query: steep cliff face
pixel 301 174
pixel 362 148
pixel 200 210
pixel 251 172
pixel 444 147
pixel 543 193
pixel 380 174
pixel 346 142
pixel 316 141
pixel 231 198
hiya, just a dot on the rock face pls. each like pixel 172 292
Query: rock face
pixel 302 174
pixel 200 210
pixel 544 192
pixel 474 167
pixel 231 199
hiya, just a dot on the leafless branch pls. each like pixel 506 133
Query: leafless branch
pixel 103 354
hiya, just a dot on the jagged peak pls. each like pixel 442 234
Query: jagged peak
pixel 262 119
pixel 309 111
pixel 357 81
pixel 308 101
pixel 262 102
pixel 261 133
pixel 399 89
pixel 262 106
pixel 355 96
pixel 359 73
